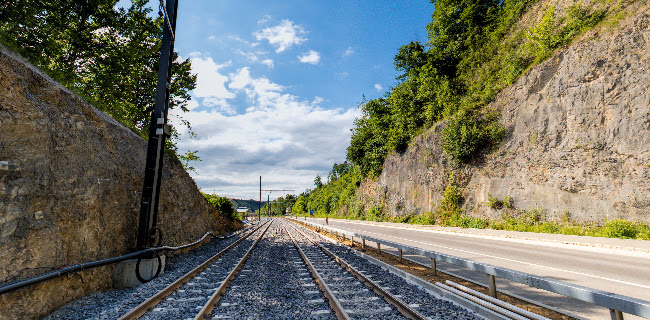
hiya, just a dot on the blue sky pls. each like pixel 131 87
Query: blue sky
pixel 279 84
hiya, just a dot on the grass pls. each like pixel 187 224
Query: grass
pixel 525 221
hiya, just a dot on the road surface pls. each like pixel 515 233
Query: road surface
pixel 613 265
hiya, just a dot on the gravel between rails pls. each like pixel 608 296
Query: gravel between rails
pixel 358 301
pixel 273 283
pixel 414 295
pixel 113 304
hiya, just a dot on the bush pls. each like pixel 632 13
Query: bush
pixel 620 229
pixel 466 135
pixel 423 218
pixel 375 214
pixel 223 205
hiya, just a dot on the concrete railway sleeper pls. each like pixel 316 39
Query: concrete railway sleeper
pixel 188 292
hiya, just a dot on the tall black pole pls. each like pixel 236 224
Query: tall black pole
pixel 158 133
pixel 268 205
pixel 259 204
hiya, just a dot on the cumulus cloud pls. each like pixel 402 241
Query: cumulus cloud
pixel 267 62
pixel 378 87
pixel 282 36
pixel 209 82
pixel 312 57
pixel 281 137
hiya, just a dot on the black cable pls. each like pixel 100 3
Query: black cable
pixel 99 263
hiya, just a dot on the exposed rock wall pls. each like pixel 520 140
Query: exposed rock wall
pixel 578 138
pixel 72 190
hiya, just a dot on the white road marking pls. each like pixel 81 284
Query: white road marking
pixel 506 259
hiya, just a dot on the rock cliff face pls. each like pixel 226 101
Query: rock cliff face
pixel 578 138
pixel 70 192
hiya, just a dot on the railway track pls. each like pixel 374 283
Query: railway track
pixel 281 270
pixel 351 294
pixel 196 288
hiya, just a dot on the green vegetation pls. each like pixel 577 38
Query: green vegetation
pixel 334 198
pixel 278 207
pixel 107 56
pixel 223 205
pixel 474 51
pixel 496 203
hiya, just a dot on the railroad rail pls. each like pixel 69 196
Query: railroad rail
pixel 336 304
pixel 150 304
pixel 275 270
pixel 617 304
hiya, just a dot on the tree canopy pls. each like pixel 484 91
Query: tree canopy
pixel 108 56
pixel 472 53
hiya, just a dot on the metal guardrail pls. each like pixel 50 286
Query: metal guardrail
pixel 617 304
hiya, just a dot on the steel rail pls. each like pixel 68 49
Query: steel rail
pixel 209 305
pixel 152 301
pixel 523 312
pixel 618 304
pixel 401 306
pixel 331 299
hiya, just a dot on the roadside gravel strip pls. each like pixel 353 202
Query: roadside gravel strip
pixel 115 303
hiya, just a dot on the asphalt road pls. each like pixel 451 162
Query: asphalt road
pixel 593 262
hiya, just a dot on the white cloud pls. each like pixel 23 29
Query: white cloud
pixel 254 57
pixel 264 20
pixel 343 74
pixel 348 52
pixel 312 57
pixel 317 101
pixel 192 104
pixel 283 36
pixel 209 82
pixel 211 37
pixel 378 87
pixel 284 139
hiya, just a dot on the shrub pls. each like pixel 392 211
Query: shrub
pixel 223 205
pixel 620 229
pixel 423 218
pixel 466 135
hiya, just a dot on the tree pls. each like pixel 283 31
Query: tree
pixel 300 207
pixel 409 59
pixel 187 157
pixel 318 181
pixel 223 205
pixel 107 55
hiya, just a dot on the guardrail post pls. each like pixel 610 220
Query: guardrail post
pixel 615 314
pixel 400 256
pixel 379 247
pixel 434 267
pixel 493 286
pixel 363 244
pixel 343 236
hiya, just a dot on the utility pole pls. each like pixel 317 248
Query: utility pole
pixel 159 130
pixel 269 190
pixel 259 204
